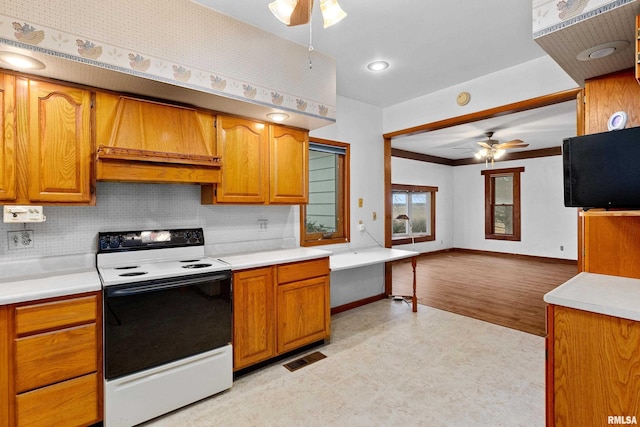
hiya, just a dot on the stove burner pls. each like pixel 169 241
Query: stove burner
pixel 201 265
pixel 190 260
pixel 126 268
pixel 133 273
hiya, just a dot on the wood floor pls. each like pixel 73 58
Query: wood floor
pixel 503 289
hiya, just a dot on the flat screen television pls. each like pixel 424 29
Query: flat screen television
pixel 602 170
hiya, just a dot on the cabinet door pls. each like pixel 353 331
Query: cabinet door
pixel 303 313
pixel 596 367
pixel 289 168
pixel 60 143
pixel 611 245
pixel 243 146
pixel 253 317
pixel 7 138
pixel 6 372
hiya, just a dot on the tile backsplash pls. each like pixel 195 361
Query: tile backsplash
pixel 73 230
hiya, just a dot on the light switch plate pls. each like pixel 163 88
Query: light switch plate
pixel 20 214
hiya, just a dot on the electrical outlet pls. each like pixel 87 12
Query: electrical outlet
pixel 262 224
pixel 20 239
pixel 562 248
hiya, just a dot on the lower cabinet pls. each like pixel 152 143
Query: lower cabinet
pixel 278 309
pixel 593 368
pixel 54 375
pixel 253 317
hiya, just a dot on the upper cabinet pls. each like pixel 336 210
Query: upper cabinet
pixel 147 141
pixel 7 138
pixel 59 143
pixel 289 166
pixel 244 147
pixel 262 164
pixel 46 147
pixel 607 94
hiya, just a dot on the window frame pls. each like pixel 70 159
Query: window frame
pixel 432 217
pixel 489 203
pixel 343 202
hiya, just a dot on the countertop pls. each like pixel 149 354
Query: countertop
pixel 60 276
pixel 49 286
pixel 280 256
pixel 368 256
pixel 599 293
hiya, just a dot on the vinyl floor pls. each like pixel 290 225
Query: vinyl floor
pixel 387 366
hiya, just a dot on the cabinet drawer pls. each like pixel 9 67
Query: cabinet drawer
pixel 55 314
pixel 303 270
pixel 55 356
pixel 69 403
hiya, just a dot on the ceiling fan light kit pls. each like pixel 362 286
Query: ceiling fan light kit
pixel 492 149
pixel 298 12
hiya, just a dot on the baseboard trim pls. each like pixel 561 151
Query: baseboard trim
pixel 359 303
pixel 520 256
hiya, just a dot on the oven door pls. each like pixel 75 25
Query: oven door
pixel 151 323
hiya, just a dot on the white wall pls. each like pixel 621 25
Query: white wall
pixel 360 125
pixel 531 79
pixel 546 223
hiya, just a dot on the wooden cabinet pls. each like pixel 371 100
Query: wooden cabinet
pixel 46 146
pixel 278 309
pixel 637 57
pixel 593 363
pixel 261 164
pixel 52 353
pixel 594 368
pixel 244 148
pixel 610 243
pixel 289 166
pixel 59 142
pixel 8 162
pixel 253 317
pixel 147 141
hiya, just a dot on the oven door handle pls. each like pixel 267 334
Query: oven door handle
pixel 166 284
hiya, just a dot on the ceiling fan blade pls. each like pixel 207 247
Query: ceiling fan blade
pixel 484 144
pixel 507 146
pixel 512 142
pixel 301 13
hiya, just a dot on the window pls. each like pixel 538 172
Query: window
pixel 413 215
pixel 325 219
pixel 502 203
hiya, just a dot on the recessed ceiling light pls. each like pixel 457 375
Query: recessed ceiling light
pixel 278 117
pixel 377 65
pixel 18 60
pixel 602 50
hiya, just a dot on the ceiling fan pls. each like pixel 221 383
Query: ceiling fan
pixel 298 12
pixel 493 149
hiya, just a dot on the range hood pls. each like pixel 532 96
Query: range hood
pixel 578 35
pixel 146 141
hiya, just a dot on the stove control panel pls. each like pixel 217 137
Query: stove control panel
pixel 149 239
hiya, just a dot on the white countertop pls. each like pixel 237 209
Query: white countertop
pixel 49 286
pixel 280 256
pixel 599 293
pixel 368 256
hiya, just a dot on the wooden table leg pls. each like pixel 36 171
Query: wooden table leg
pixel 414 299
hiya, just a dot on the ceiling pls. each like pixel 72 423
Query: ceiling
pixel 543 127
pixel 431 45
